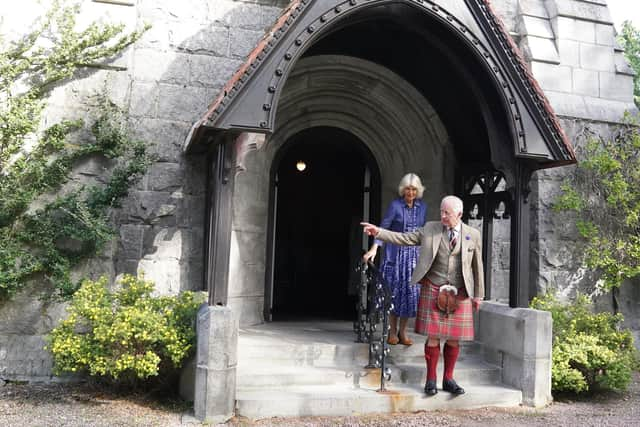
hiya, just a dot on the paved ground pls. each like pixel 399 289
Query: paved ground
pixel 82 405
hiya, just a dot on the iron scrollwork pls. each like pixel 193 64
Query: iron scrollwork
pixel 373 307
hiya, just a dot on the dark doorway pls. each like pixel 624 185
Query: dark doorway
pixel 318 240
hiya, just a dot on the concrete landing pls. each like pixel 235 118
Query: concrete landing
pixel 316 368
pixel 341 400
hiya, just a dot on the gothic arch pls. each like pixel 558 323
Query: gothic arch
pixel 535 132
pixel 520 131
pixel 399 126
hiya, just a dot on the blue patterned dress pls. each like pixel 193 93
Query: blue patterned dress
pixel 399 261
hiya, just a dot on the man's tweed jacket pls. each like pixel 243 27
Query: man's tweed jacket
pixel 428 238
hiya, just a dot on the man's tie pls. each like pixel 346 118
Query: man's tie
pixel 452 238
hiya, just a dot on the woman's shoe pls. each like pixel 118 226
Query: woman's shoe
pixel 406 341
pixel 392 340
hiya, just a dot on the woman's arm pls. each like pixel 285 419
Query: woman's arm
pixel 387 220
pixel 371 253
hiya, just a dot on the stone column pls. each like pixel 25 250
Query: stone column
pixel 216 360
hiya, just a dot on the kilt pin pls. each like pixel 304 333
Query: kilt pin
pixel 439 262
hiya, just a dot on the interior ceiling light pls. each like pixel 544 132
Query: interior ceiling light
pixel 301 165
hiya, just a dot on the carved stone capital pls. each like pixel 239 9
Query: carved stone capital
pixel 245 143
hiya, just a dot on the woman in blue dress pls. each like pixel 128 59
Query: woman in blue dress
pixel 406 213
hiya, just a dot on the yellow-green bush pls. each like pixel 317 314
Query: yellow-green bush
pixel 591 351
pixel 127 334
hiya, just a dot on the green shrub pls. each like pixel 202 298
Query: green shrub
pixel 591 352
pixel 127 335
pixel 602 197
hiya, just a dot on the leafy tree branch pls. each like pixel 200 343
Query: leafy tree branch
pixel 630 40
pixel 604 194
pixel 48 226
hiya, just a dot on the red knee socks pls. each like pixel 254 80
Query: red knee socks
pixel 431 355
pixel 450 354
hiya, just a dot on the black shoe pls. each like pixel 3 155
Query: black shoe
pixel 430 388
pixel 452 387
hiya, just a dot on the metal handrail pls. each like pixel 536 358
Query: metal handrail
pixel 374 306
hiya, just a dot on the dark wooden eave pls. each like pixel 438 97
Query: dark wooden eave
pixel 538 104
pixel 289 37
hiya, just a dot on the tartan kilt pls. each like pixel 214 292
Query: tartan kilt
pixel 433 323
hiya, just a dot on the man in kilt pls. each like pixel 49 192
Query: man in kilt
pixel 450 259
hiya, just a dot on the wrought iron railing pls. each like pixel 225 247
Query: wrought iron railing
pixel 373 307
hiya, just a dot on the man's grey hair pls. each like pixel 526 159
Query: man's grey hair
pixel 453 201
pixel 411 180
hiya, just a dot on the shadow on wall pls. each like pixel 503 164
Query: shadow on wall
pixel 170 77
pixel 179 67
pixel 626 301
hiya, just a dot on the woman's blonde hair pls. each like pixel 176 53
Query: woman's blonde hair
pixel 410 180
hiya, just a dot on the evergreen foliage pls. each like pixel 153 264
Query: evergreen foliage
pixel 46 228
pixel 127 336
pixel 630 40
pixel 590 351
pixel 604 194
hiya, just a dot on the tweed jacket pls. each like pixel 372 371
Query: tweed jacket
pixel 428 238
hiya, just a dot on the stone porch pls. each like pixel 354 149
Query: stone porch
pixel 314 368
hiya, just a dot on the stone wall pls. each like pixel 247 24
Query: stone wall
pixel 166 82
pixel 170 76
pixel 178 68
pixel 576 59
pixel 573 53
pixel 571 48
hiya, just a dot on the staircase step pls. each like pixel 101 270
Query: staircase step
pixel 300 344
pixel 304 369
pixel 308 354
pixel 287 376
pixel 341 400
pixel 272 375
pixel 316 352
pixel 466 372
pixel 415 352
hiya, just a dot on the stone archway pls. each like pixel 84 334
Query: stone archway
pixel 477 66
pixel 512 128
pixel 396 123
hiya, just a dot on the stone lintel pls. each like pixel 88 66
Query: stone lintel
pixel 552 77
pixel 584 10
pixel 533 26
pixel 533 8
pixel 588 108
pixel 618 87
pixel 540 50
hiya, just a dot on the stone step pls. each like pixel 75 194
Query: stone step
pixel 341 400
pixel 466 372
pixel 301 354
pixel 300 344
pixel 316 351
pixel 267 374
pixel 286 376
pixel 415 352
